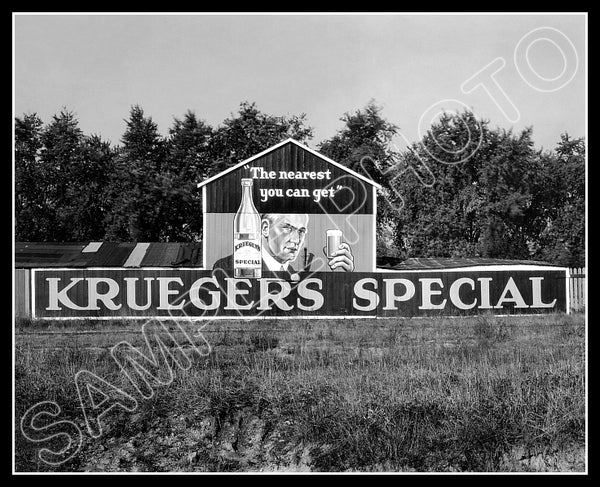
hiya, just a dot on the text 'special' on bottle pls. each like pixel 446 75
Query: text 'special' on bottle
pixel 247 258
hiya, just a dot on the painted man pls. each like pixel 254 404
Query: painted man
pixel 283 237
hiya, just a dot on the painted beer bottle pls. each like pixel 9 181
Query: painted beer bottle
pixel 247 258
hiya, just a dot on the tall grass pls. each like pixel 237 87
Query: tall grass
pixel 432 394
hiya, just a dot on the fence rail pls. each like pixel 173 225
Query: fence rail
pixel 577 276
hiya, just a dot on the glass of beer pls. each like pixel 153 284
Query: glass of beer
pixel 334 239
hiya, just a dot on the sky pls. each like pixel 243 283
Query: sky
pixel 514 70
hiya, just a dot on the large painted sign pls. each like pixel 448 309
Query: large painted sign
pixel 292 233
pixel 138 293
pixel 290 210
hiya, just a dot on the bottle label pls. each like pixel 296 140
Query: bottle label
pixel 247 259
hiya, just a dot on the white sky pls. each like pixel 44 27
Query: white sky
pixel 100 65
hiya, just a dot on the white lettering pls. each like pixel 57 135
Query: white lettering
pixel 515 296
pixel 107 297
pixel 566 50
pixel 131 295
pixel 278 297
pixel 360 292
pixel 260 173
pixel 89 387
pixel 390 297
pixel 165 292
pixel 233 292
pixel 486 78
pixel 536 291
pixel 485 292
pixel 214 294
pixel 306 293
pixel 55 296
pixel 455 293
pixel 427 293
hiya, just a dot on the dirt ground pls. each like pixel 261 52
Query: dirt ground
pixel 245 442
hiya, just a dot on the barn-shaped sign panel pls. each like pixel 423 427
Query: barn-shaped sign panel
pixel 292 179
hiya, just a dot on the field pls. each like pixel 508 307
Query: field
pixel 473 394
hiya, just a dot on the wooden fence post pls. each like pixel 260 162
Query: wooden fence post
pixel 577 276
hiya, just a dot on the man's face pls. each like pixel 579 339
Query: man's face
pixel 285 236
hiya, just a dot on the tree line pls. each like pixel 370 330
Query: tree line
pixel 464 190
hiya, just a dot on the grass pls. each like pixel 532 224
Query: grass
pixel 434 394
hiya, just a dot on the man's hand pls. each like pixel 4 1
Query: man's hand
pixel 342 258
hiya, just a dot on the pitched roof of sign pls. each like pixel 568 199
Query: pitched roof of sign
pixel 281 144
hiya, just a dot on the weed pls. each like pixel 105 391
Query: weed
pixel 262 341
pixel 416 395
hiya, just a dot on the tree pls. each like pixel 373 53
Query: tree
pixel 364 144
pixel 251 132
pixel 479 204
pixel 60 156
pixel 29 200
pixel 366 134
pixel 187 162
pixel 89 189
pixel 509 178
pixel 136 186
pixel 187 147
pixel 562 190
pixel 60 180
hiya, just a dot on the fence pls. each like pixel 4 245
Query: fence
pixel 577 288
pixel 22 293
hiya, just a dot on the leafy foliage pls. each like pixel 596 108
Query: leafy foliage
pixel 478 203
pixel 251 132
pixel 562 189
pixel 29 200
pixel 364 145
pixel 136 183
pixel 187 161
pixel 464 190
pixel 467 190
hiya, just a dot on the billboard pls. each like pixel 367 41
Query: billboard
pixel 283 210
pixel 199 293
